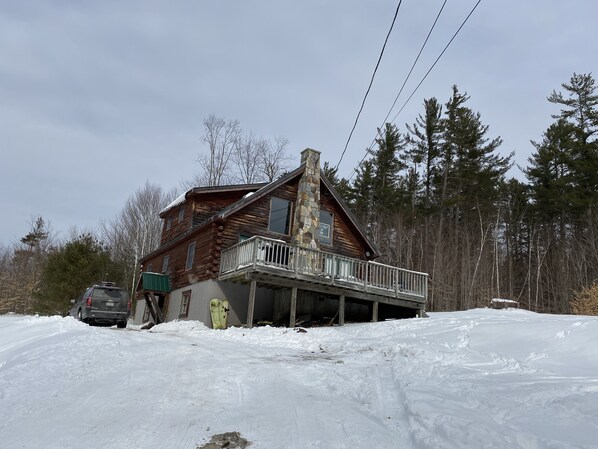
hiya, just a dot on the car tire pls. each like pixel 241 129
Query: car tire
pixel 121 324
pixel 80 317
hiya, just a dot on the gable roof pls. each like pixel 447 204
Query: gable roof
pixel 352 218
pixel 212 189
pixel 256 195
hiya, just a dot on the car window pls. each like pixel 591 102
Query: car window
pixel 109 293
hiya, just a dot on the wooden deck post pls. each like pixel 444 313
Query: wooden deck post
pixel 251 303
pixel 293 314
pixel 341 310
pixel 375 311
pixel 154 307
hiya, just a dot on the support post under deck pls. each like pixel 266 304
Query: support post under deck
pixel 375 311
pixel 251 303
pixel 341 310
pixel 293 314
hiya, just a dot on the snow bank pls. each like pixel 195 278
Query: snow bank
pixel 477 379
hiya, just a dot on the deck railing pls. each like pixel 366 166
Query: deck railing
pixel 327 267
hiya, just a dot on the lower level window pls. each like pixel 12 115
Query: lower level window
pixel 186 299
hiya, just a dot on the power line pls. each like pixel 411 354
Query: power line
pixel 371 82
pixel 410 72
pixel 424 78
pixel 437 59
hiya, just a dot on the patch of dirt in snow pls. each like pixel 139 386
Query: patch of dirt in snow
pixel 228 440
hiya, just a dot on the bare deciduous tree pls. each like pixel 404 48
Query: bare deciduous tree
pixel 235 156
pixel 275 160
pixel 247 159
pixel 137 230
pixel 223 137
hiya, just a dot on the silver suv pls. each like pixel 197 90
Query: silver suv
pixel 103 304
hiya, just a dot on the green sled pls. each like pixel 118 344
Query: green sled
pixel 219 312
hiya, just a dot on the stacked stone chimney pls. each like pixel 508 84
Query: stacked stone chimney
pixel 307 214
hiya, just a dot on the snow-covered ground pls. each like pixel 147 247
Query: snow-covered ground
pixel 469 380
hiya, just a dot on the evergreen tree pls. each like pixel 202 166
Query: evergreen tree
pixel 550 174
pixel 23 270
pixel 38 234
pixel 362 191
pixel 425 144
pixel 386 169
pixel 72 268
pixel 341 185
pixel 580 110
pixel 471 171
pixel 581 105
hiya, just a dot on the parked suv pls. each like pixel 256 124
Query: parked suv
pixel 104 304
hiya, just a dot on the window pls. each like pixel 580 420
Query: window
pixel 325 231
pixel 190 256
pixel 165 263
pixel 146 313
pixel 181 213
pixel 280 215
pixel 185 300
pixel 168 223
pixel 149 268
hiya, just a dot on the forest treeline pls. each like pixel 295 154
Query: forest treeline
pixel 434 196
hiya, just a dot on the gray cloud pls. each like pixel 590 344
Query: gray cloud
pixel 97 97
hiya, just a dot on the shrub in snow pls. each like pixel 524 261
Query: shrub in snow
pixel 585 302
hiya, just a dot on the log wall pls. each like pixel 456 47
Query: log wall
pixel 252 220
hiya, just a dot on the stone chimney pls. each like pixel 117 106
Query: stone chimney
pixel 307 208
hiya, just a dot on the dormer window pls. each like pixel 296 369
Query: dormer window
pixel 168 223
pixel 181 213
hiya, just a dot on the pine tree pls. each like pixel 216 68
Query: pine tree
pixel 341 185
pixel 425 144
pixel 72 268
pixel 471 171
pixel 386 169
pixel 22 278
pixel 362 191
pixel 580 110
pixel 550 174
pixel 581 105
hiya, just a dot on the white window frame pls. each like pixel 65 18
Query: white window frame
pixel 331 228
pixel 184 309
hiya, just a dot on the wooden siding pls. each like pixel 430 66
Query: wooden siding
pixel 202 261
pixel 177 227
pixel 345 240
pixel 205 206
pixel 251 220
pixel 254 218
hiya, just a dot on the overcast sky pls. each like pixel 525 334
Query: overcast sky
pixel 98 97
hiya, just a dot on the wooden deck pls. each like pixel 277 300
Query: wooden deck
pixel 274 262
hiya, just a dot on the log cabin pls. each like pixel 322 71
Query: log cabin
pixel 288 251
